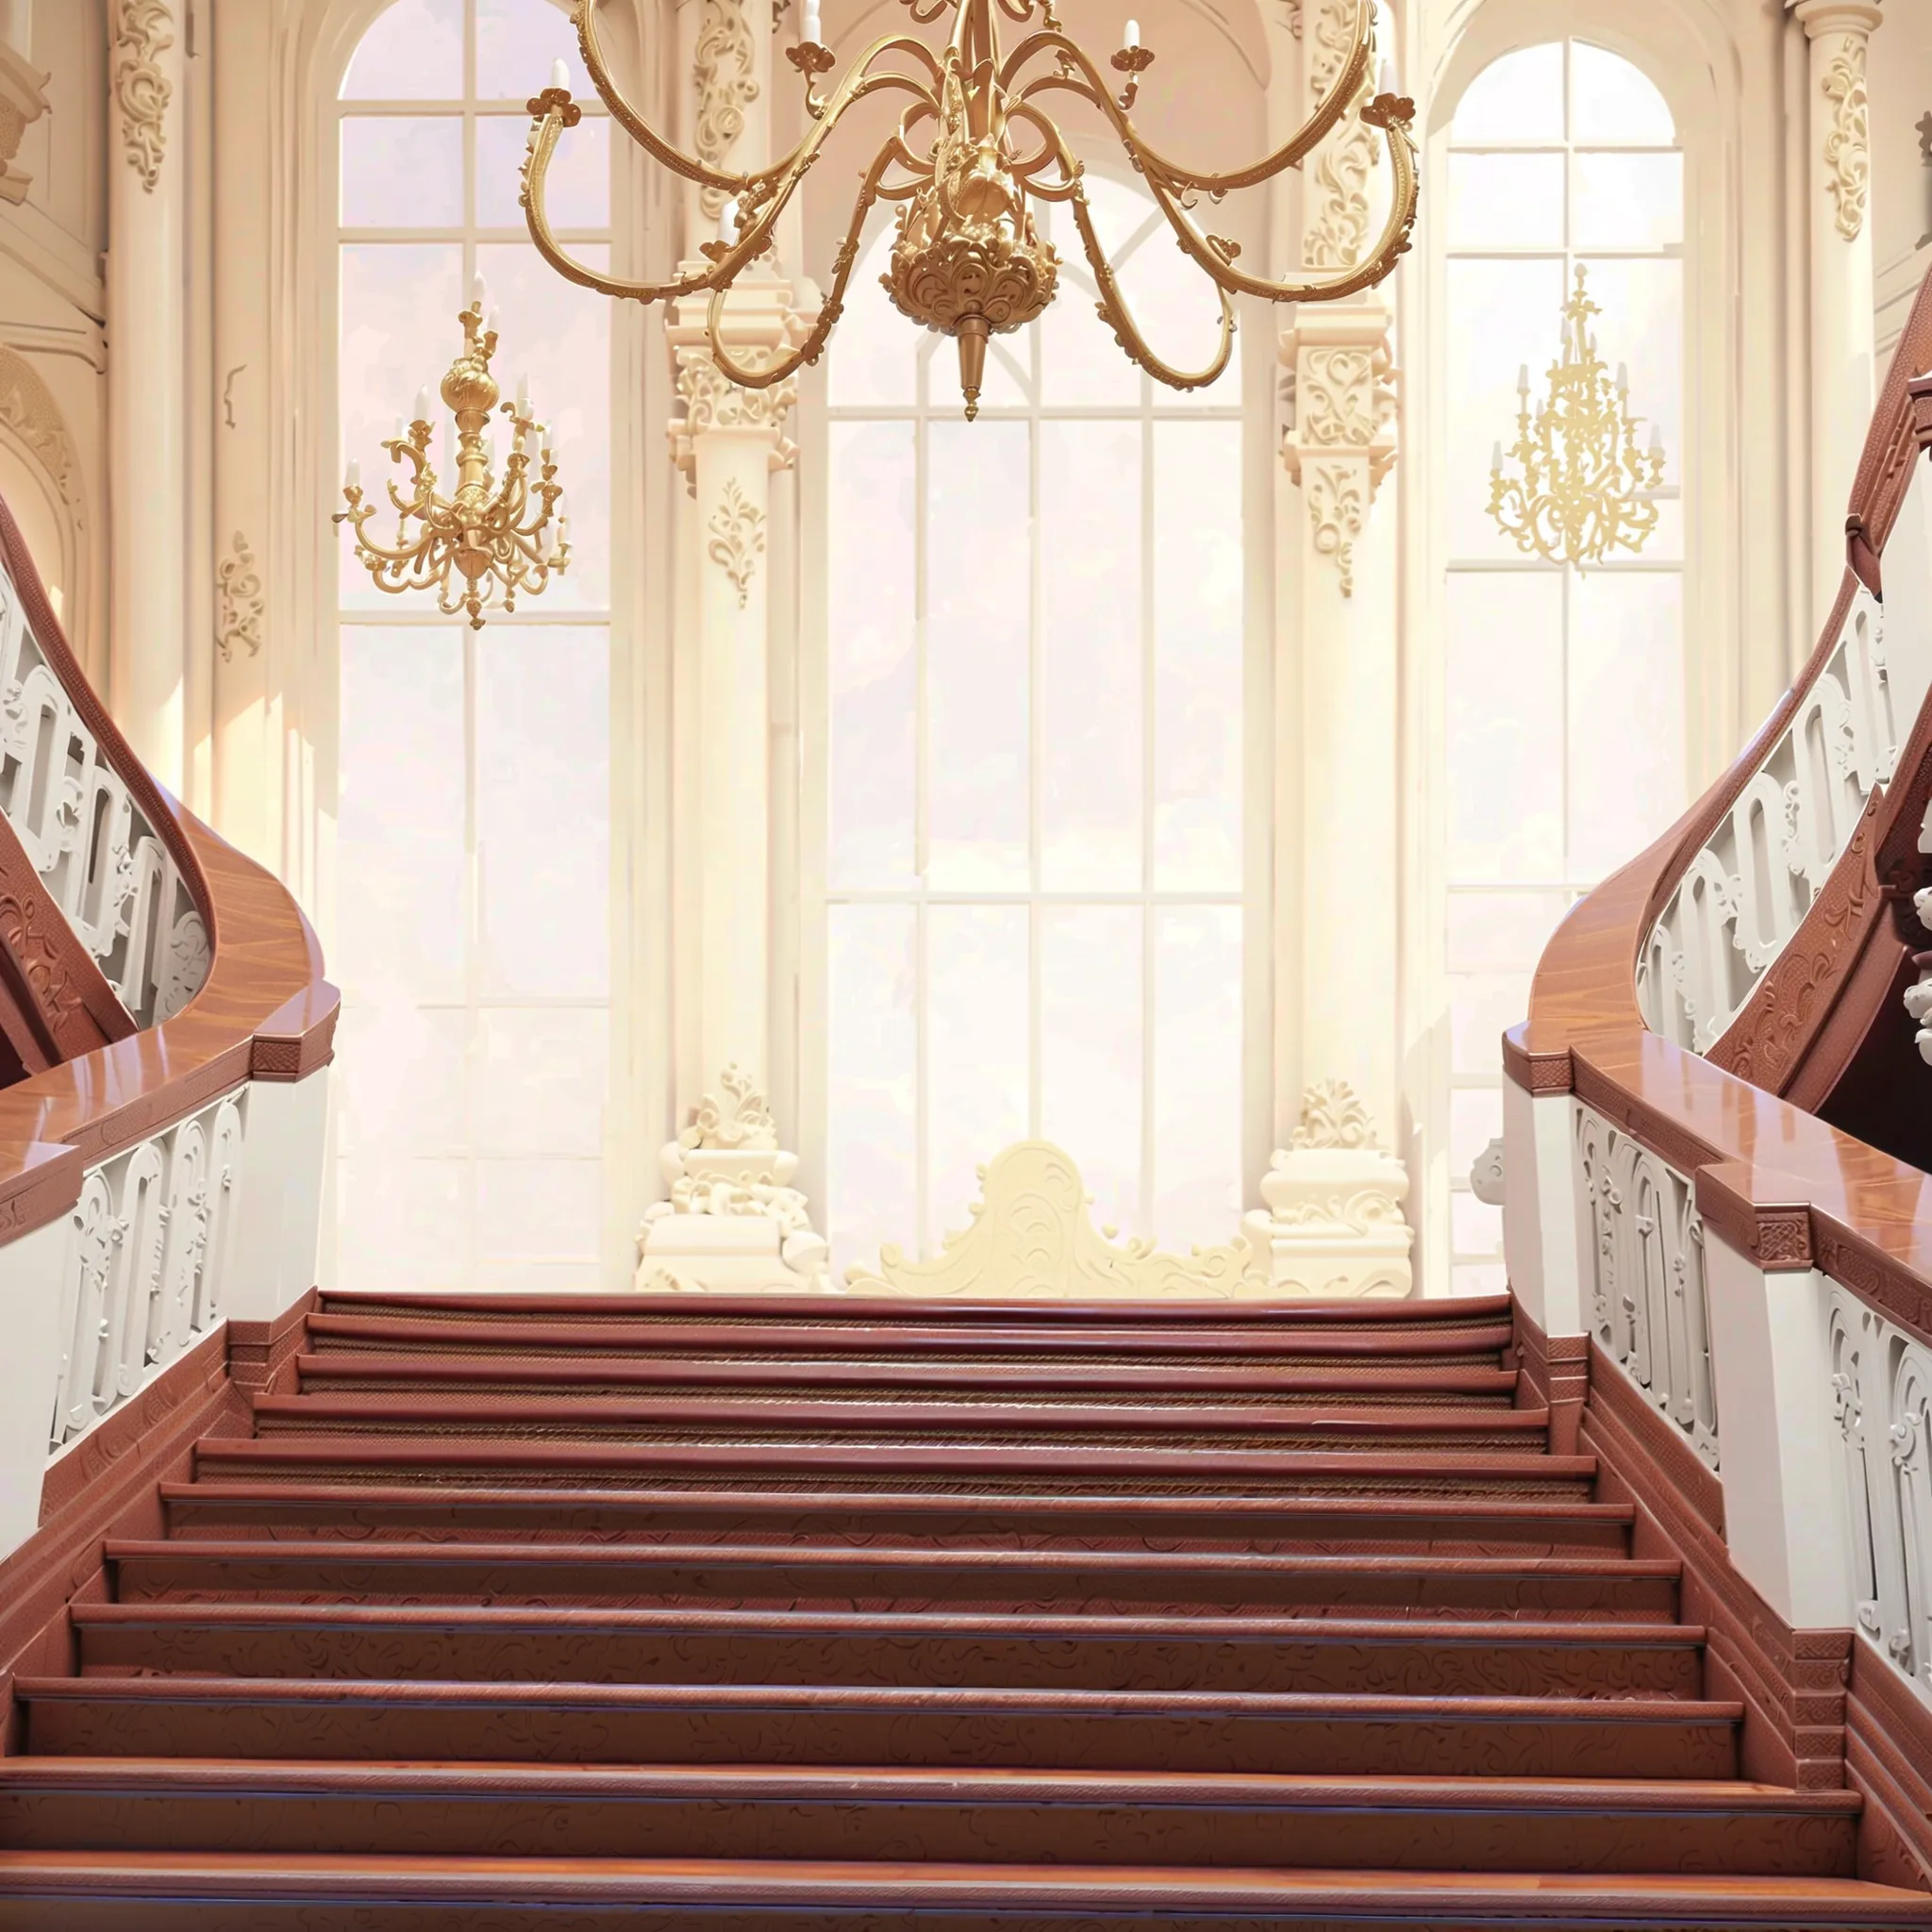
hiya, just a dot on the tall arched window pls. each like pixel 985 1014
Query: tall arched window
pixel 1564 685
pixel 474 833
pixel 1033 903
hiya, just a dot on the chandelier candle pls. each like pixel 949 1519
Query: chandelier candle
pixel 975 148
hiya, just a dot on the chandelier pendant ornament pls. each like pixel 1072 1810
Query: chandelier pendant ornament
pixel 492 535
pixel 975 148
pixel 1580 487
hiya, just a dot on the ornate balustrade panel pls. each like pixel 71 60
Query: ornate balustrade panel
pixel 1644 1273
pixel 1881 1378
pixel 146 1261
pixel 1743 892
pixel 102 860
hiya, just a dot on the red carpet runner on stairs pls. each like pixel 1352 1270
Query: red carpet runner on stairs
pixel 838 1617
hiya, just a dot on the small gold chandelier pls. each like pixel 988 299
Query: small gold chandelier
pixel 490 534
pixel 975 147
pixel 1581 488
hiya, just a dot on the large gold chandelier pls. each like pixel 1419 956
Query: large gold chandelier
pixel 975 147
pixel 1580 487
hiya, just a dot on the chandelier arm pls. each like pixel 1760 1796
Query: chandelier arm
pixel 377 554
pixel 830 310
pixel 1087 83
pixel 1114 310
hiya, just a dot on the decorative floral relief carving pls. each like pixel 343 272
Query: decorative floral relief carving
pixel 721 67
pixel 239 595
pixel 1032 1236
pixel 142 91
pixel 741 1119
pixel 27 931
pixel 713 401
pixel 1848 146
pixel 28 411
pixel 1333 1116
pixel 738 539
pixel 1337 226
pixel 1335 493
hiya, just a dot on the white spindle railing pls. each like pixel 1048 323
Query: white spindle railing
pixel 1644 1270
pixel 1881 1378
pixel 104 864
pixel 146 1261
pixel 1744 893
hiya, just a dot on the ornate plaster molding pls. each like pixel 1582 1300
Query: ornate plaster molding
pixel 738 539
pixel 1335 509
pixel 723 69
pixel 142 30
pixel 22 101
pixel 740 1122
pixel 1341 391
pixel 1333 1116
pixel 1848 141
pixel 1032 1238
pixel 1335 232
pixel 239 601
pixel 29 413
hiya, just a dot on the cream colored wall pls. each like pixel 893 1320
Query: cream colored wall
pixel 53 353
pixel 1901 96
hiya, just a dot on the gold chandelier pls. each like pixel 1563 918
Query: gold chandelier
pixel 1580 487
pixel 490 535
pixel 973 149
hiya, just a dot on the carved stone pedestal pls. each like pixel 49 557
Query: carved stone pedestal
pixel 733 1222
pixel 1333 1226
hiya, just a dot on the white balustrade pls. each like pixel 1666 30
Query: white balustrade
pixel 147 1261
pixel 1642 1263
pixel 102 862
pixel 1744 893
pixel 1882 1380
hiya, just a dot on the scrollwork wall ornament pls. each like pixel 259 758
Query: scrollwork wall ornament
pixel 29 413
pixel 741 1119
pixel 1335 492
pixel 1337 229
pixel 738 539
pixel 142 30
pixel 722 68
pixel 1333 1116
pixel 239 600
pixel 1848 143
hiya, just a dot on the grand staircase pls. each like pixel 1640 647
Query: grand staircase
pixel 653 1611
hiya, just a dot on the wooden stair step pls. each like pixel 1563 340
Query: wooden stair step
pixel 634 1418
pixel 1124 1470
pixel 872 1725
pixel 1449 1524
pixel 1478 1345
pixel 187 1891
pixel 347 1369
pixel 539 1644
pixel 781 1575
pixel 1008 1816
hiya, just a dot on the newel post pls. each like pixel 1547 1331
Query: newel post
pixel 732 1220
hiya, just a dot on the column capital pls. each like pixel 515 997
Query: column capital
pixel 22 101
pixel 1821 17
pixel 760 323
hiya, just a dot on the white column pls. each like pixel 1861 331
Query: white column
pixel 1843 343
pixel 732 1219
pixel 148 195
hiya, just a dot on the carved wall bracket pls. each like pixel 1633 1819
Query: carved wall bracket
pixel 1341 388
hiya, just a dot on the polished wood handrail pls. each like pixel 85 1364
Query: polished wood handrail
pixel 1781 1185
pixel 265 1012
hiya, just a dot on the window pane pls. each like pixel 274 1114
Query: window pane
pixel 1092 660
pixel 1081 365
pixel 1519 97
pixel 1505 722
pixel 874 356
pixel 411 52
pixel 541 1078
pixel 1643 324
pixel 1092 1041
pixel 1197 656
pixel 399 330
pixel 543 810
pixel 871 668
pixel 399 830
pixel 1626 715
pixel 978 625
pixel 1506 201
pixel 516 42
pixel 407 1080
pixel 976 1051
pixel 871 1049
pixel 1476 1118
pixel 1490 930
pixel 402 172
pixel 560 335
pixel 404 1222
pixel 576 188
pixel 1611 100
pixel 537 1222
pixel 1482 1007
pixel 1627 201
pixel 1197 1076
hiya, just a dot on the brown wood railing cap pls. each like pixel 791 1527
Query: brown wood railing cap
pixel 1865 1210
pixel 265 1009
